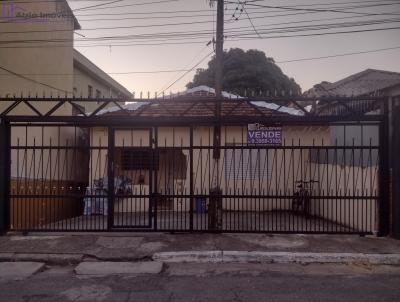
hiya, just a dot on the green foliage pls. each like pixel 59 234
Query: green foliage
pixel 250 70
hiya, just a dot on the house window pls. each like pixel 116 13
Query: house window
pixel 139 159
pixel 90 91
pixel 247 164
pixel 75 91
pixel 98 94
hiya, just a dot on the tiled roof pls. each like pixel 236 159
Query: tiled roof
pixel 202 91
pixel 193 107
pixel 364 83
pixel 200 102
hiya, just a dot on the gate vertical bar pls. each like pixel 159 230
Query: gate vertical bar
pixel 155 195
pixel 384 201
pixel 396 170
pixel 5 179
pixel 191 180
pixel 151 173
pixel 110 176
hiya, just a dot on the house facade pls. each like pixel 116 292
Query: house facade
pixel 188 162
pixel 184 162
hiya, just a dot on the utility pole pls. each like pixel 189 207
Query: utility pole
pixel 219 49
pixel 219 52
pixel 215 220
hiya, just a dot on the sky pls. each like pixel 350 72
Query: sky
pixel 260 25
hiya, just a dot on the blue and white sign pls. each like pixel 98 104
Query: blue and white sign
pixel 260 135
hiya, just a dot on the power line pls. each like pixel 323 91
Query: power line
pixel 133 4
pixel 238 37
pixel 32 80
pixel 109 28
pixel 188 70
pixel 197 11
pixel 183 75
pixel 327 26
pixel 320 34
pixel 332 3
pixel 185 67
pixel 186 35
pixel 338 55
pixel 155 25
pixel 97 5
pixel 366 22
pixel 293 8
pixel 256 12
pixel 251 22
pixel 112 73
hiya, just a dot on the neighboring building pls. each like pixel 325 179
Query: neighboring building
pixel 37 57
pixel 370 82
pixel 92 82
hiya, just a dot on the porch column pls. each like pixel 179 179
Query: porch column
pixel 4 175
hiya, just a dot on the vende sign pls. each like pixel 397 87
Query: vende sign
pixel 261 135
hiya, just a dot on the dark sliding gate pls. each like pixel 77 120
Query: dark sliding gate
pixel 286 175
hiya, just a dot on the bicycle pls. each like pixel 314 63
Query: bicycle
pixel 302 197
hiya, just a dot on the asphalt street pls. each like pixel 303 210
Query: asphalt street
pixel 212 282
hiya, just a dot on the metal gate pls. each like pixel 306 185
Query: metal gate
pixel 286 175
pixel 132 162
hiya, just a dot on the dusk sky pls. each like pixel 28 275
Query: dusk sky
pixel 179 19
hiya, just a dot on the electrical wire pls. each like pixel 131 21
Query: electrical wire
pixel 191 69
pixel 133 4
pixel 232 32
pixel 251 22
pixel 32 80
pixel 185 67
pixel 292 8
pixel 96 5
pixel 338 55
pixel 188 70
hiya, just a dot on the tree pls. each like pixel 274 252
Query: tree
pixel 250 70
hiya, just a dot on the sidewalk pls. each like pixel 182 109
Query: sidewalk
pixel 134 247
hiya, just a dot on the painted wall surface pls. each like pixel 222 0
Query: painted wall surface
pixel 28 162
pixel 81 82
pixel 41 61
pixel 233 172
pixel 359 213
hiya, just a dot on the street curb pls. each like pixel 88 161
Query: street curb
pixel 61 259
pixel 276 257
pixel 218 257
pixel 118 268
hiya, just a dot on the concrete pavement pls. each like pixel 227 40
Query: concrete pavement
pixel 19 270
pixel 65 249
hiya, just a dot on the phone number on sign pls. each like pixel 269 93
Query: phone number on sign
pixel 267 141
